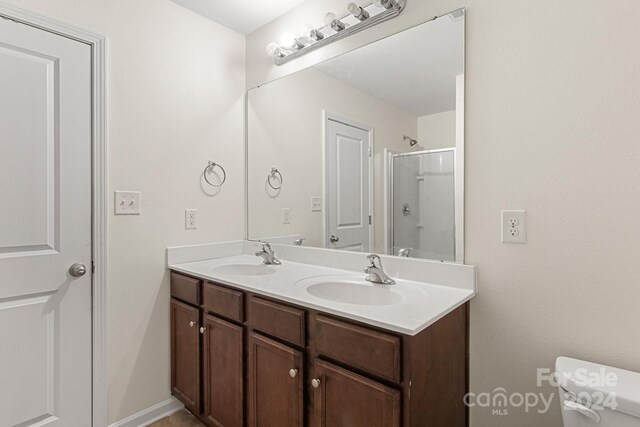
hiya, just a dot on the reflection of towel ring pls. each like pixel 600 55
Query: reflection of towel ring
pixel 274 172
pixel 209 169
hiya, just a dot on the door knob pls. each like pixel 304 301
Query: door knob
pixel 77 270
pixel 334 239
pixel 293 373
pixel 315 383
pixel 202 329
pixel 191 324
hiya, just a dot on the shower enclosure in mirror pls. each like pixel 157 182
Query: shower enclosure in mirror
pixel 365 151
pixel 422 204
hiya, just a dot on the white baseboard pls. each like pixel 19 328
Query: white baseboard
pixel 152 414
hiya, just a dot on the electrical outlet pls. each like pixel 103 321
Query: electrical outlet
pixel 316 204
pixel 190 219
pixel 286 216
pixel 127 203
pixel 514 226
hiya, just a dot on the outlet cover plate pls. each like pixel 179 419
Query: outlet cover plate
pixel 316 204
pixel 514 226
pixel 190 219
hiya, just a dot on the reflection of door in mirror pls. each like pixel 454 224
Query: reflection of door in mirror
pixel 423 204
pixel 348 224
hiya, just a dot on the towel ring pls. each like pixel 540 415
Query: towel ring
pixel 274 172
pixel 209 168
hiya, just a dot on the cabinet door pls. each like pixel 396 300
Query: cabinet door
pixel 344 399
pixel 223 373
pixel 185 355
pixel 275 384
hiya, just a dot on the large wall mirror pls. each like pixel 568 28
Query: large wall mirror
pixel 365 151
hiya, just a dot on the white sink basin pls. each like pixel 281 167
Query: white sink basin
pixel 244 269
pixel 355 290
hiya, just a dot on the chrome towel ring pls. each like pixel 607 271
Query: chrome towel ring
pixel 275 173
pixel 209 169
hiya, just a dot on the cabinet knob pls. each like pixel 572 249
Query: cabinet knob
pixel 191 324
pixel 202 329
pixel 315 383
pixel 293 373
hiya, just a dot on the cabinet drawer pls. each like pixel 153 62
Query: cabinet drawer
pixel 277 320
pixel 185 288
pixel 223 301
pixel 362 348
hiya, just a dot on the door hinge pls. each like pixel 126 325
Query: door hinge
pixel 369 151
pixel 93 267
pixel 369 219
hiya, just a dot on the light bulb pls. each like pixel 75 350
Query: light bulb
pixel 274 51
pixel 288 40
pixel 329 18
pixel 357 11
pixel 387 4
pixel 311 33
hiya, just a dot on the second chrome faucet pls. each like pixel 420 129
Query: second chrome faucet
pixel 267 254
pixel 375 273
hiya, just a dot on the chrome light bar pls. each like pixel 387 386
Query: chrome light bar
pixel 377 12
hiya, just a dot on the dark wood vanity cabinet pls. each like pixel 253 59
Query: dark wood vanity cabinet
pixel 343 398
pixel 185 350
pixel 223 372
pixel 275 383
pixel 258 362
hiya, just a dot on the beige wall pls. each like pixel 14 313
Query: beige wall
pixel 437 131
pixel 175 84
pixel 285 130
pixel 551 127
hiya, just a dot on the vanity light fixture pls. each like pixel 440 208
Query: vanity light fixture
pixel 331 20
pixel 357 11
pixel 290 42
pixel 358 18
pixel 275 51
pixel 387 4
pixel 311 33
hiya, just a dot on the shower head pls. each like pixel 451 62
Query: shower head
pixel 412 141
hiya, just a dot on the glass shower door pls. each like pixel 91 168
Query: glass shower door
pixel 423 204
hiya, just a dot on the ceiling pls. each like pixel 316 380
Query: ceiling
pixel 242 16
pixel 414 70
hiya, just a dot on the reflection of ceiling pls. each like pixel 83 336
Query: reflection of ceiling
pixel 414 70
pixel 243 16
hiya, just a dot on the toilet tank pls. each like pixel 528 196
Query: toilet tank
pixel 597 395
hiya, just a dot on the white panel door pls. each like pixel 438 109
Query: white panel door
pixel 347 168
pixel 45 227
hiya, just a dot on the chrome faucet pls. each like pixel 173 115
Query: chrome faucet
pixel 267 254
pixel 375 273
pixel 404 252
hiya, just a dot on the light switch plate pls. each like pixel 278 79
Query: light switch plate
pixel 286 216
pixel 316 204
pixel 127 203
pixel 514 226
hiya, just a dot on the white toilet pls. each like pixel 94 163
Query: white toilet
pixel 597 395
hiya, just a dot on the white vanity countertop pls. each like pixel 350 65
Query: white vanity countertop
pixel 418 304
